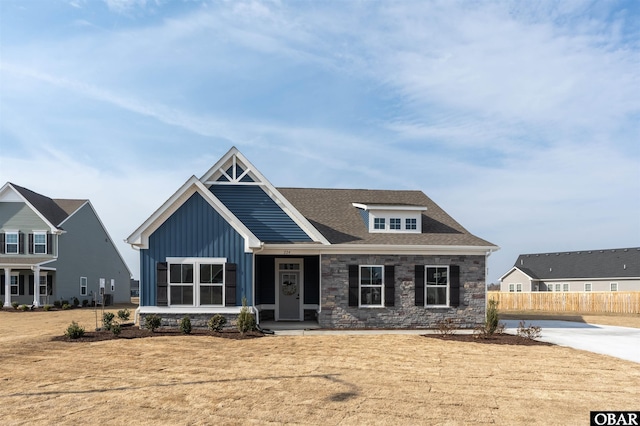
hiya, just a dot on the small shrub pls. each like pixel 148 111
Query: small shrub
pixel 152 322
pixel 23 307
pixel 85 303
pixel 116 329
pixel 15 305
pixel 246 321
pixel 491 324
pixel 57 304
pixel 446 327
pixel 64 302
pixel 216 322
pixel 123 314
pixel 74 331
pixel 47 307
pixel 76 302
pixel 530 332
pixel 107 320
pixel 185 325
pixel 66 306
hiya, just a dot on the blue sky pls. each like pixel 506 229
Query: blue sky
pixel 521 119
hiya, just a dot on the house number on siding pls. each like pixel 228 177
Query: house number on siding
pixel 286 252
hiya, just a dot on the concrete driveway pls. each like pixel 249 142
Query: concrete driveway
pixel 619 342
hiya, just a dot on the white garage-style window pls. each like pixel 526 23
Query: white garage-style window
pixel 196 281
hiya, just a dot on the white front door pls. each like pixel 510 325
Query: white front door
pixel 289 291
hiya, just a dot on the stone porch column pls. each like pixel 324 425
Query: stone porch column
pixel 36 286
pixel 7 287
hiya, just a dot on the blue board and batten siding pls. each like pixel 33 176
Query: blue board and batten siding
pixel 195 230
pixel 258 212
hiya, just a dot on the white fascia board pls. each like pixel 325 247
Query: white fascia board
pixel 270 190
pixel 140 237
pixel 54 229
pixel 389 207
pixel 292 249
pixel 516 268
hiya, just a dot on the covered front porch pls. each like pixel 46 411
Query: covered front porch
pixel 287 289
pixel 18 282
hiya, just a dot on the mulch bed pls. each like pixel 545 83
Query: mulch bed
pixel 135 332
pixel 496 339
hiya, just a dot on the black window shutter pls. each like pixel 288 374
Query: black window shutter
pixel 2 284
pixel 31 279
pixel 161 284
pixel 230 279
pixel 49 243
pixel 49 285
pixel 21 285
pixel 2 246
pixel 389 285
pixel 20 243
pixel 353 285
pixel 419 285
pixel 30 243
pixel 454 285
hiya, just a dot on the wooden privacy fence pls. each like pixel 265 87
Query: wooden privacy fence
pixel 620 302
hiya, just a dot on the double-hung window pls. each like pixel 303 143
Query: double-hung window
pixel 40 242
pixel 437 285
pixel 211 284
pixel 11 243
pixel 83 286
pixel 14 284
pixel 511 288
pixel 181 284
pixel 587 286
pixel 613 286
pixel 371 286
pixel 519 287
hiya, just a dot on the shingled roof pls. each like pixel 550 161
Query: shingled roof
pixel 55 211
pixel 332 212
pixel 610 263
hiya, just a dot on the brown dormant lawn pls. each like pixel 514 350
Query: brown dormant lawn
pixel 328 380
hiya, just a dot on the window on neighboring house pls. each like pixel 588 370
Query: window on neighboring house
pixel 512 288
pixel 40 242
pixel 395 223
pixel 211 284
pixel 614 286
pixel 14 284
pixel 11 243
pixel 558 287
pixel 181 284
pixel 371 285
pixel 411 224
pixel 437 285
pixel 565 287
pixel 519 288
pixel 587 286
pixel 83 286
pixel 379 223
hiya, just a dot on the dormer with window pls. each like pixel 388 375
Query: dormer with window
pixel 391 218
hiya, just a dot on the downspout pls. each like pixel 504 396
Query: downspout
pixel 253 283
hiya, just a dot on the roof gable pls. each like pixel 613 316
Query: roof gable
pixel 610 263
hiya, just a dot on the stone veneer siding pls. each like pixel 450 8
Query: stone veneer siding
pixel 336 312
pixel 197 320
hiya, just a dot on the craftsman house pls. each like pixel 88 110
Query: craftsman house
pixel 582 271
pixel 56 250
pixel 346 258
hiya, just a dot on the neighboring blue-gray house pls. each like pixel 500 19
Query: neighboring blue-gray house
pixel 343 258
pixel 56 249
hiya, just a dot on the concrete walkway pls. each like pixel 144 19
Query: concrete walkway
pixel 619 342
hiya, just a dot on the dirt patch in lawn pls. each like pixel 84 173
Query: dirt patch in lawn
pixel 311 379
pixel 496 339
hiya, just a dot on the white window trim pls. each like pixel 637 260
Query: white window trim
pixel 83 285
pixel 512 287
pixel 42 285
pixel 196 262
pixel 518 287
pixel 567 286
pixel 611 284
pixel 44 233
pixel 16 285
pixel 590 287
pixel 6 242
pixel 426 299
pixel 360 286
pixel 413 226
pixel 395 222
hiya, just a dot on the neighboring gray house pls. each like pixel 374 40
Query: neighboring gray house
pixel 346 258
pixel 591 270
pixel 56 249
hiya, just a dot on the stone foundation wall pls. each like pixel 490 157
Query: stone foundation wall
pixel 197 320
pixel 336 312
